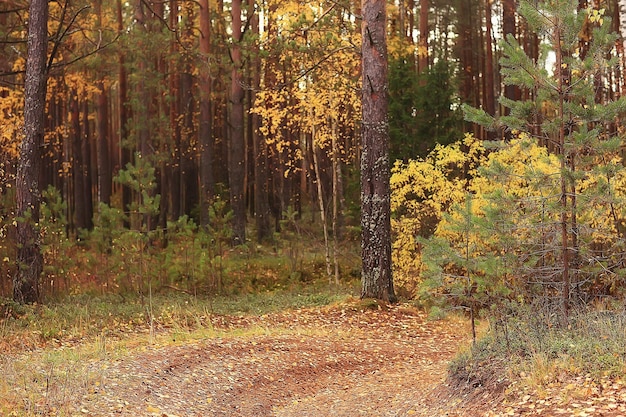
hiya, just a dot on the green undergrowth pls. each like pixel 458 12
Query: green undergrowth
pixel 87 316
pixel 51 352
pixel 538 352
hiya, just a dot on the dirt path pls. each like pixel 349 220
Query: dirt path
pixel 330 362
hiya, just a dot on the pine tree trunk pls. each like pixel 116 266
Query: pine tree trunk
pixel 509 28
pixel 85 150
pixel 376 277
pixel 105 179
pixel 205 132
pixel 489 82
pixel 80 211
pixel 174 166
pixel 423 39
pixel 236 163
pixel 29 256
pixel 123 109
pixel 261 201
pixel 563 79
pixel 621 5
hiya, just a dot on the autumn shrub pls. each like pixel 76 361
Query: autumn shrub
pixel 422 191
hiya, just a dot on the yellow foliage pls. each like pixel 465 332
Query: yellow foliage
pixel 517 188
pixel 318 71
pixel 422 191
pixel 12 120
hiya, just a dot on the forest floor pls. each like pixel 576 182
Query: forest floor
pixel 340 360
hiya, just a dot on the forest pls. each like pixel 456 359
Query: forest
pixel 217 125
pixel 158 115
pixel 462 157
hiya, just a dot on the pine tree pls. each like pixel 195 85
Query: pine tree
pixel 565 112
pixel 29 256
pixel 377 281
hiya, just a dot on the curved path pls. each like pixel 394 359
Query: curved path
pixel 335 361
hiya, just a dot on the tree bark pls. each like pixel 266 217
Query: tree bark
pixel 85 149
pixel 377 280
pixel 29 256
pixel 621 6
pixel 489 101
pixel 80 204
pixel 105 178
pixel 422 50
pixel 259 148
pixel 509 28
pixel 174 166
pixel 125 151
pixel 205 132
pixel 236 160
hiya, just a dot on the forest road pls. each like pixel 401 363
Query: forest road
pixel 334 361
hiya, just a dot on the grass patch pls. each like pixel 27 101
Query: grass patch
pixel 53 351
pixel 87 316
pixel 593 344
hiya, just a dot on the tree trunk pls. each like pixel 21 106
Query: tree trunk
pixel 174 166
pixel 80 203
pixel 489 101
pixel 259 148
pixel 102 146
pixel 125 157
pixel 377 281
pixel 563 80
pixel 336 189
pixel 29 256
pixel 236 160
pixel 85 149
pixel 621 5
pixel 422 50
pixel 509 28
pixel 205 132
pixel 105 179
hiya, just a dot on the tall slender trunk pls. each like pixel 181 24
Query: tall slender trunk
pixel 259 147
pixel 102 146
pixel 78 165
pixel 205 132
pixel 509 28
pixel 423 39
pixel 336 189
pixel 125 151
pixel 489 100
pixel 320 201
pixel 563 85
pixel 236 162
pixel 105 179
pixel 85 150
pixel 29 256
pixel 621 5
pixel 174 167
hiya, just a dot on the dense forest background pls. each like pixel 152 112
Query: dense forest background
pixel 167 118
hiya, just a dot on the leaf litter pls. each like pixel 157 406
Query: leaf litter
pixel 343 360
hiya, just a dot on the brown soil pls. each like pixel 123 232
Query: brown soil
pixel 340 361
pixel 345 360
